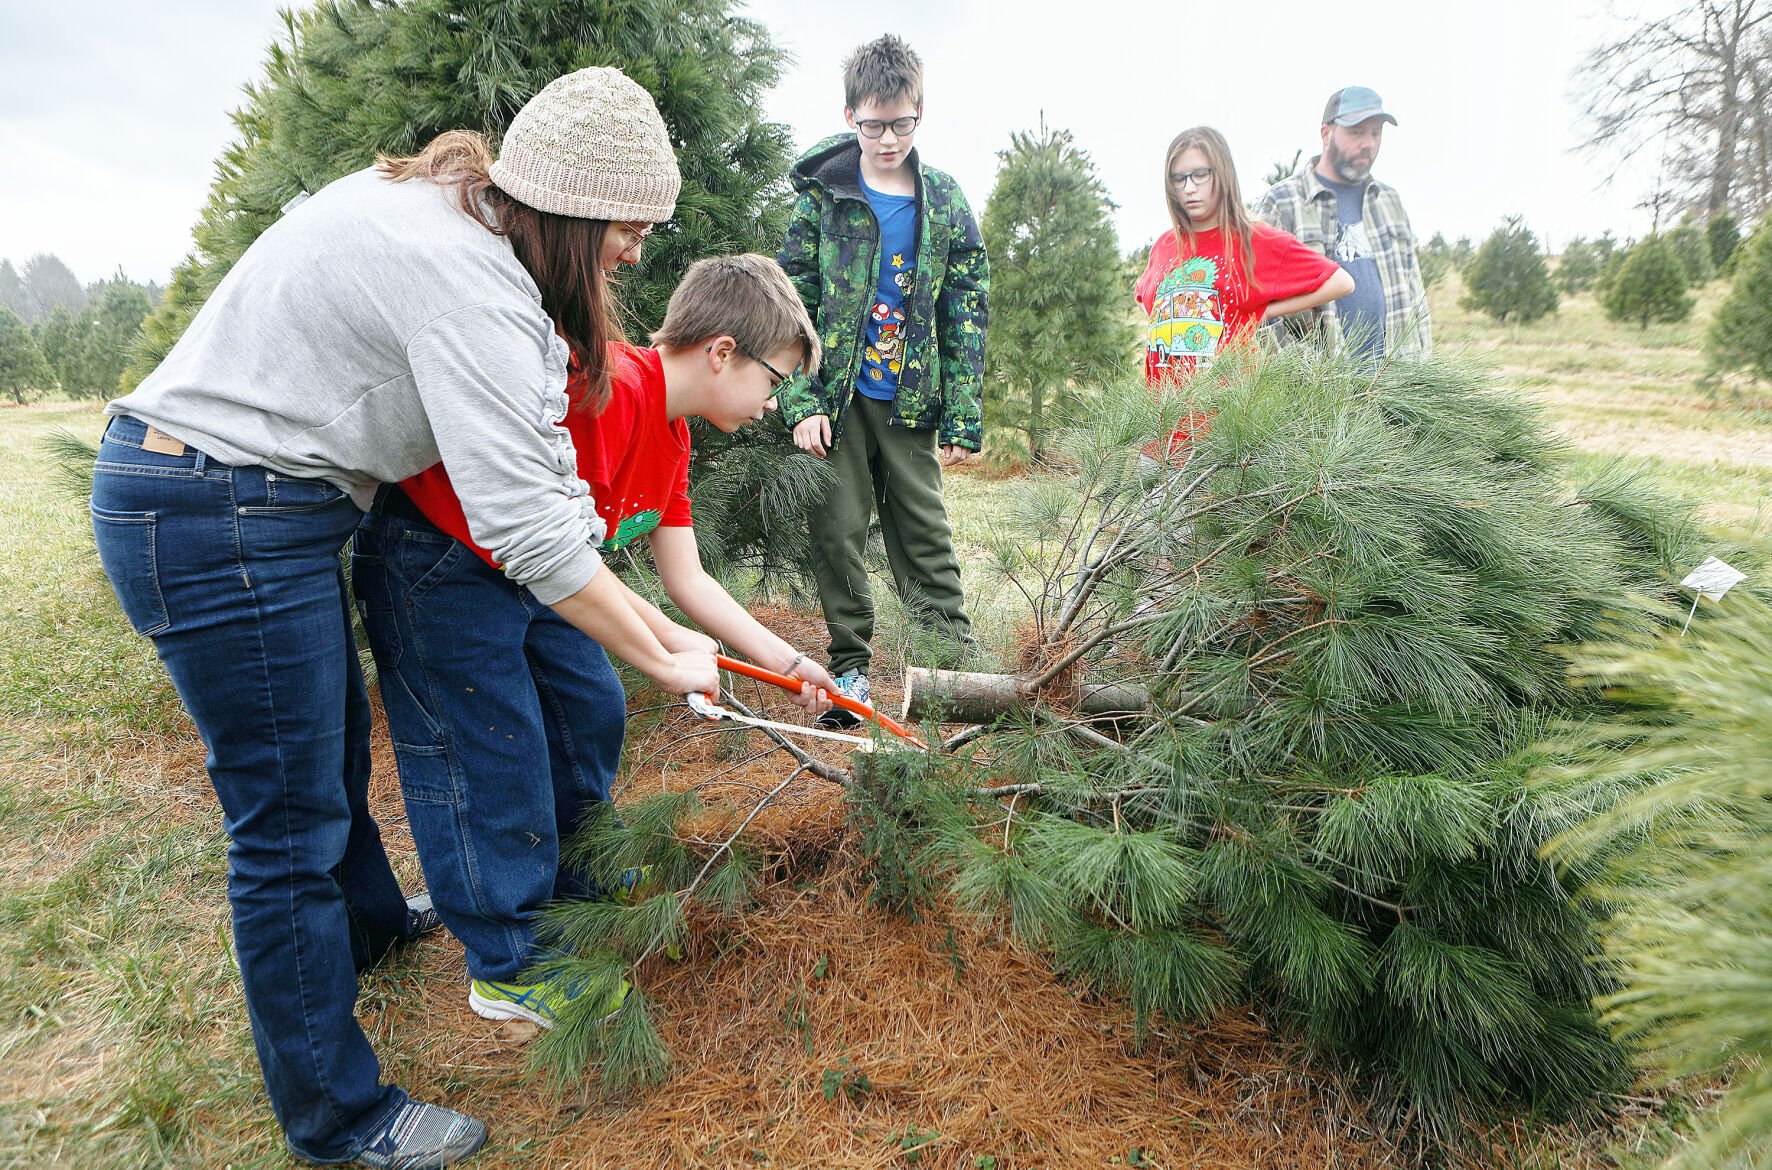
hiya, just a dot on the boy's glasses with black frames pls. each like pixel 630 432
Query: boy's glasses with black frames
pixel 874 128
pixel 780 378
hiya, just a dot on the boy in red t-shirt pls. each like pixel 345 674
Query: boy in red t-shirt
pixel 507 723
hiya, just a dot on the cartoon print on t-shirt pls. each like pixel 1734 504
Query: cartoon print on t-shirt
pixel 888 351
pixel 639 524
pixel 1187 317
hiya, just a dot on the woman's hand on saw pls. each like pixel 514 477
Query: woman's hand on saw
pixel 689 671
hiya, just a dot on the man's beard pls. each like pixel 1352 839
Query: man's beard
pixel 1347 170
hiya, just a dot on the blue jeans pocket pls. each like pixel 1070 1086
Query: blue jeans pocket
pixel 126 548
pixel 426 776
pixel 288 493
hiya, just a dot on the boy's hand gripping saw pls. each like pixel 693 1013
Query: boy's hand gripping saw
pixel 707 708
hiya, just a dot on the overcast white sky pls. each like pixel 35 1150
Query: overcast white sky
pixel 112 113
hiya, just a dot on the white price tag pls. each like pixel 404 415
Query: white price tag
pixel 1714 578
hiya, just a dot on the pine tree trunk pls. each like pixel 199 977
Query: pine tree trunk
pixel 958 696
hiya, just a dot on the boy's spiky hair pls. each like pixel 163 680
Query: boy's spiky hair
pixel 884 70
pixel 747 298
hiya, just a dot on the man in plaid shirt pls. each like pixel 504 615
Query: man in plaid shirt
pixel 1335 206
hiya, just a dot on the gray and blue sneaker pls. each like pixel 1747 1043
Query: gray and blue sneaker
pixel 421 916
pixel 853 684
pixel 422 1137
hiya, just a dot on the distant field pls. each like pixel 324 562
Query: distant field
pixel 1621 390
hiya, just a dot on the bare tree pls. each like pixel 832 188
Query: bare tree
pixel 1692 84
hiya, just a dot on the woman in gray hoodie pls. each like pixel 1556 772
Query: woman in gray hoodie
pixel 418 312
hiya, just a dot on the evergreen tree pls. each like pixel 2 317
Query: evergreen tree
pixel 1723 234
pixel 24 375
pixel 1649 284
pixel 47 282
pixel 12 288
pixel 1462 253
pixel 107 328
pixel 1435 258
pixel 1508 277
pixel 1578 267
pixel 1693 248
pixel 1682 869
pixel 58 338
pixel 1058 298
pixel 1740 337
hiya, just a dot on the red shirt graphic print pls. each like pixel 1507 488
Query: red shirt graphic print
pixel 1200 302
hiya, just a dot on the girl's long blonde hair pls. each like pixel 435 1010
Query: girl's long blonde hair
pixel 1233 217
pixel 563 253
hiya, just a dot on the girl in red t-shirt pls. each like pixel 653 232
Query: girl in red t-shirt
pixel 1216 276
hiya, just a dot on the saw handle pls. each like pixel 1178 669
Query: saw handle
pixel 789 683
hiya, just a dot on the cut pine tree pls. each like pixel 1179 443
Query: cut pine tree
pixel 1327 626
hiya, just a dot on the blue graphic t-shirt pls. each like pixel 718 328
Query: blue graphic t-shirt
pixel 884 353
pixel 1361 312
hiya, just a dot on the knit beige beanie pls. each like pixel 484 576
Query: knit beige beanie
pixel 591 145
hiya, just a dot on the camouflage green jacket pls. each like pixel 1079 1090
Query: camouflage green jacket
pixel 832 254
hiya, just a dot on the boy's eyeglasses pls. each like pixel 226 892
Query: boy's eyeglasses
pixel 874 128
pixel 775 373
pixel 1198 177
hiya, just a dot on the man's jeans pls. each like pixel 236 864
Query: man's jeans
pixel 234 573
pixel 507 725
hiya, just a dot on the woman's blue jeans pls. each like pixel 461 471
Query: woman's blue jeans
pixel 234 573
pixel 507 726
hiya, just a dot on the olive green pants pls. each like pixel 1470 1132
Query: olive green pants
pixel 898 471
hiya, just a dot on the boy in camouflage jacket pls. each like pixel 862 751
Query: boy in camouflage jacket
pixel 887 257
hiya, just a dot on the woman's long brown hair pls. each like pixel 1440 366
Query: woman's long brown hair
pixel 1233 217
pixel 562 253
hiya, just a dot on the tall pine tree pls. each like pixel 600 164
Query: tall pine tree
pixel 107 330
pixel 1058 301
pixel 58 337
pixel 358 77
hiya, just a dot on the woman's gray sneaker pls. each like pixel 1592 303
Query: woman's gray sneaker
pixel 421 916
pixel 422 1137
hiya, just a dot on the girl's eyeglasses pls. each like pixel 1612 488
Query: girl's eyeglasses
pixel 1198 178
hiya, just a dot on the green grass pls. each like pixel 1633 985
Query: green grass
pixel 123 1040
pixel 1615 389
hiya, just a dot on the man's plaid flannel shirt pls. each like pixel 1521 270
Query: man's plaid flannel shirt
pixel 1304 206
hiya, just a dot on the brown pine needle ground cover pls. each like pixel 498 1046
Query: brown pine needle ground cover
pixel 819 1031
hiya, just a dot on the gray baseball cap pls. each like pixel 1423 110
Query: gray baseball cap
pixel 1353 105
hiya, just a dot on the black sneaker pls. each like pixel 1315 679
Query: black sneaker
pixel 854 685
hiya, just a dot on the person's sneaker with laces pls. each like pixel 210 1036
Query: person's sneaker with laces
pixel 422 1137
pixel 421 916
pixel 539 1003
pixel 854 685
